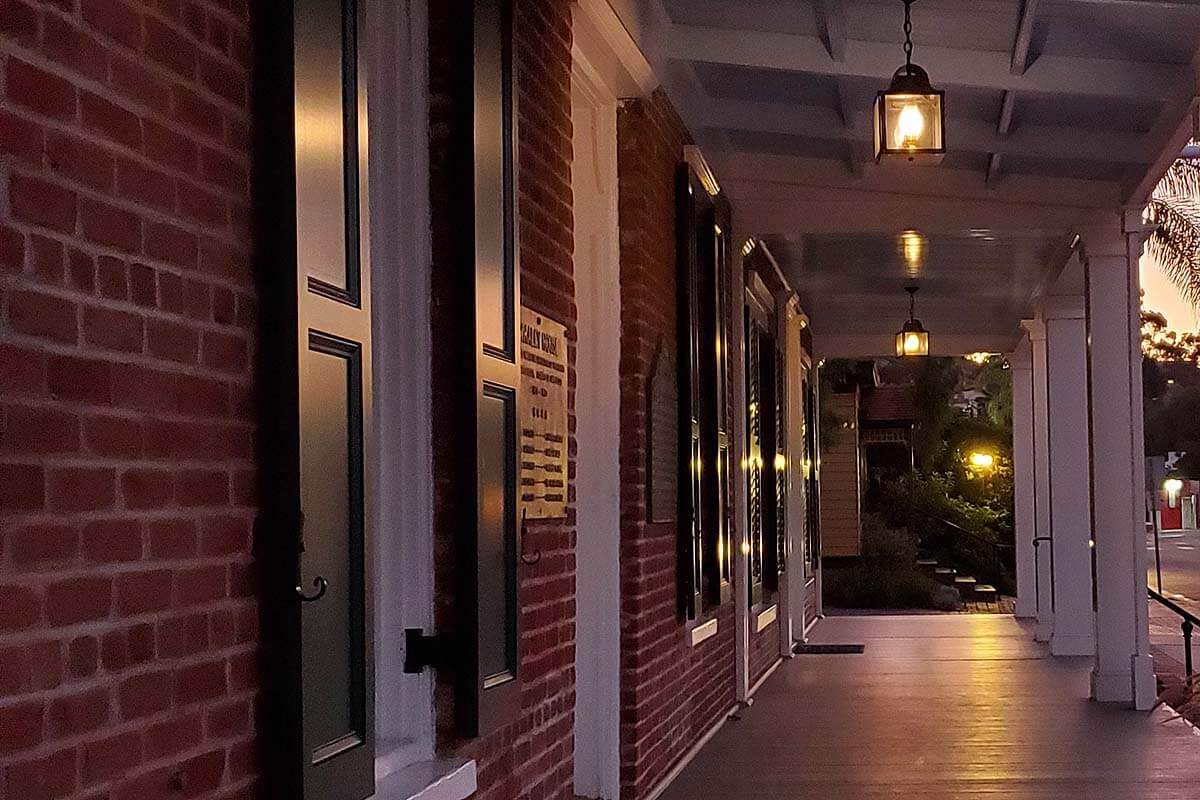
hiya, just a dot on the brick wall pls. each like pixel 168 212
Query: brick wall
pixel 534 756
pixel 671 693
pixel 127 622
pixel 764 648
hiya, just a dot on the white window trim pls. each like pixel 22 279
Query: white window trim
pixel 406 767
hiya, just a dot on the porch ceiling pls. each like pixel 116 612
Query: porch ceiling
pixel 1056 109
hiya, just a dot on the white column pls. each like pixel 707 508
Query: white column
pixel 1070 489
pixel 1024 478
pixel 1044 583
pixel 1124 670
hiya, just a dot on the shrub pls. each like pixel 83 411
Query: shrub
pixel 887 575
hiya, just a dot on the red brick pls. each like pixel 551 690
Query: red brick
pixel 38 314
pixel 202 487
pixel 206 208
pixel 203 773
pixel 202 397
pixel 21 726
pixel 170 292
pixel 112 278
pixel 72 378
pixel 170 243
pixel 40 203
pixel 19 608
pixel 79 160
pixel 46 258
pixel 109 225
pixel 22 487
pixel 112 330
pixel 111 757
pixel 73 48
pixel 112 436
pixel 223 171
pixel 172 538
pixel 141 184
pixel 78 713
pixel 81 488
pixel 198 114
pixel 78 599
pixel 112 541
pixel 147 488
pixel 182 636
pixel 40 91
pixel 45 665
pixel 42 545
pixel 170 148
pixel 138 387
pixel 225 352
pixel 142 288
pixel 200 585
pixel 30 429
pixel 81 269
pixel 14 670
pixel 223 536
pixel 115 19
pixel 43 776
pixel 145 694
pixel 19 22
pixel 83 656
pixel 172 340
pixel 170 48
pixel 140 86
pixel 12 244
pixel 174 735
pixel 19 137
pixel 141 592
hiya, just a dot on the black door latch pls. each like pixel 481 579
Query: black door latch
pixel 421 650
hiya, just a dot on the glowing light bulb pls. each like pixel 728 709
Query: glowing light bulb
pixel 982 460
pixel 912 343
pixel 910 126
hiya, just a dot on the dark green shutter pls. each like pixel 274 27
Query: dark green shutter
pixel 487 656
pixel 313 541
pixel 689 194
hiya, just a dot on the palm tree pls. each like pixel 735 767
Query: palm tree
pixel 1174 211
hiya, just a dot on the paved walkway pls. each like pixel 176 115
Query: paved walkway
pixel 940 708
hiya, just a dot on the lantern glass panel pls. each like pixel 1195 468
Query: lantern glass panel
pixel 909 124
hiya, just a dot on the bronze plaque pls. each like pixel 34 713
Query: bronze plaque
pixel 662 469
pixel 543 415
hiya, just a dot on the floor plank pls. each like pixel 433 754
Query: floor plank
pixel 940 707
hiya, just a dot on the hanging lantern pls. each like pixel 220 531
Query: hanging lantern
pixel 910 117
pixel 913 339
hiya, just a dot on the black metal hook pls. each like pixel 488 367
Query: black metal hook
pixel 537 554
pixel 320 584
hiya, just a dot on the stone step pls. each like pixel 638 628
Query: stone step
pixel 986 593
pixel 965 585
pixel 945 575
pixel 927 565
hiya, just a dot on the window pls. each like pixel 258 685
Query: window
pixel 702 279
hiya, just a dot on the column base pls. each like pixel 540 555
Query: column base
pixel 1136 687
pixel 1062 644
pixel 1043 630
pixel 1024 610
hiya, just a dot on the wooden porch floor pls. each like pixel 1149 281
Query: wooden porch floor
pixel 940 707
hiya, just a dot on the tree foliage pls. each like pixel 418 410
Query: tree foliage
pixel 1174 211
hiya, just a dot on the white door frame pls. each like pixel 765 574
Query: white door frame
pixel 597 426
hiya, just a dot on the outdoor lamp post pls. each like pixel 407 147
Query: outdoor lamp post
pixel 910 115
pixel 912 339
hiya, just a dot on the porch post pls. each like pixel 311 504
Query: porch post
pixel 1024 478
pixel 1070 489
pixel 1124 670
pixel 1044 599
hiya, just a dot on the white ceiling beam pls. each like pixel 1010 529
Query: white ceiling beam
pixel 946 65
pixel 1007 106
pixel 993 168
pixel 1170 132
pixel 1020 52
pixel 817 122
pixel 831 18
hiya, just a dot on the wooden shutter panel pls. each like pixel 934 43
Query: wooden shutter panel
pixel 722 493
pixel 313 540
pixel 487 656
pixel 755 438
pixel 689 192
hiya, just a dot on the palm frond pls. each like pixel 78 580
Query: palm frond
pixel 1174 211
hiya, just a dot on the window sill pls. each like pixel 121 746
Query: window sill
pixel 439 779
pixel 702 632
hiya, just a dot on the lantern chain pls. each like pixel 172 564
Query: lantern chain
pixel 908 45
